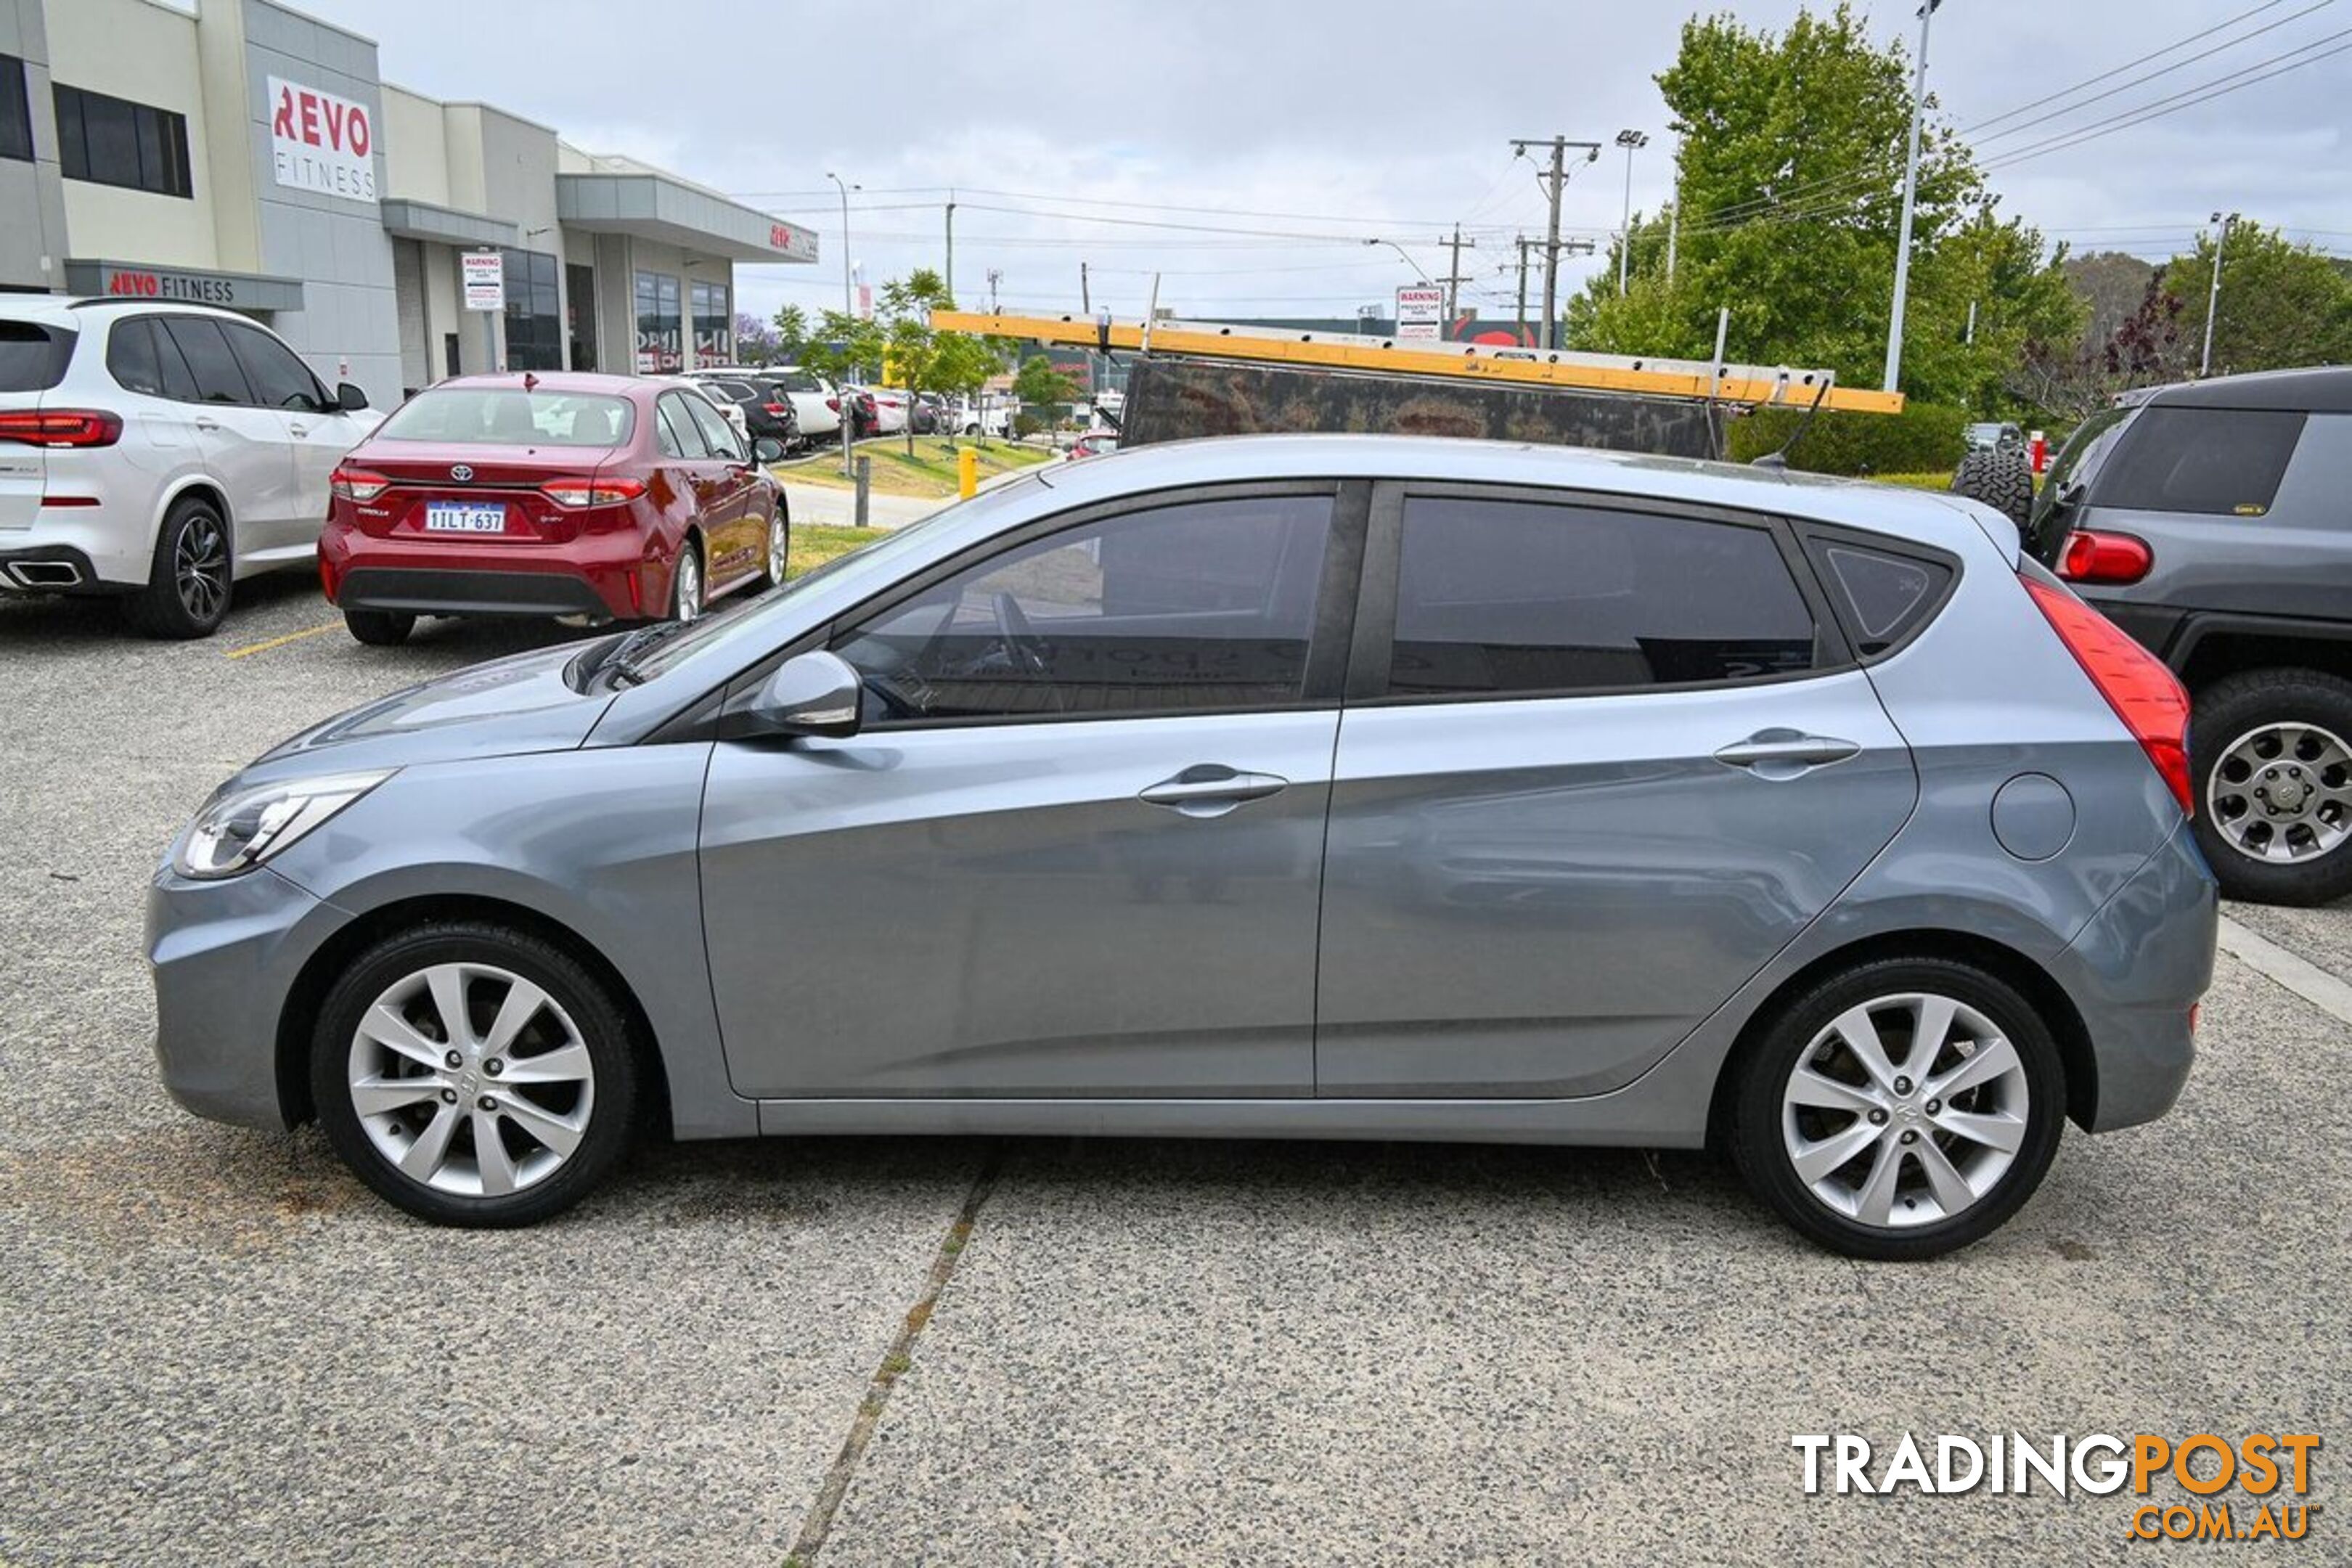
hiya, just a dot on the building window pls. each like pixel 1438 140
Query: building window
pixel 657 324
pixel 16 111
pixel 113 142
pixel 713 333
pixel 534 312
pixel 580 305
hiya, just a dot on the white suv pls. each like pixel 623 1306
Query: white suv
pixel 160 453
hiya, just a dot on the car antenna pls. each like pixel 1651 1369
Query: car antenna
pixel 530 382
pixel 1779 461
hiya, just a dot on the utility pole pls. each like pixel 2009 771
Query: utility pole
pixel 2214 295
pixel 1910 199
pixel 950 242
pixel 996 276
pixel 1633 141
pixel 847 309
pixel 1552 183
pixel 1520 244
pixel 1085 296
pixel 1453 279
pixel 1674 211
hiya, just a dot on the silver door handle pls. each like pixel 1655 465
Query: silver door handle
pixel 299 429
pixel 1211 789
pixel 1784 753
pixel 203 423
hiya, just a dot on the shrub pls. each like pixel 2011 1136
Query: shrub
pixel 1924 437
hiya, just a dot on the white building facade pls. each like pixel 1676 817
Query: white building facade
pixel 245 155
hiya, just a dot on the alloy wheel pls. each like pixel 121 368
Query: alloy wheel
pixel 2283 793
pixel 1904 1110
pixel 685 598
pixel 779 545
pixel 200 566
pixel 471 1080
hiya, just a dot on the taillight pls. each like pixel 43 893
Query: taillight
pixel 357 484
pixel 61 427
pixel 775 408
pixel 2145 696
pixel 586 492
pixel 2092 557
pixel 833 404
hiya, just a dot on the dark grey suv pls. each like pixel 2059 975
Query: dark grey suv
pixel 2212 520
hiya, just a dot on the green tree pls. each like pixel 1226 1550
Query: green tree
pixel 920 357
pixel 1790 191
pixel 839 346
pixel 791 334
pixel 1037 381
pixel 2282 304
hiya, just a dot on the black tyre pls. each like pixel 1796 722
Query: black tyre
pixel 2001 477
pixel 188 581
pixel 380 628
pixel 1833 1125
pixel 776 553
pixel 474 1074
pixel 686 589
pixel 2271 751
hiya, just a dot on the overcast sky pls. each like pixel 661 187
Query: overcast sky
pixel 1343 119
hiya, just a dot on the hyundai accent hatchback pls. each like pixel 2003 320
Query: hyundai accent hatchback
pixel 1286 787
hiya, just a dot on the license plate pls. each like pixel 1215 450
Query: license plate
pixel 455 517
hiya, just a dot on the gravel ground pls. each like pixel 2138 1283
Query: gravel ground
pixel 219 1348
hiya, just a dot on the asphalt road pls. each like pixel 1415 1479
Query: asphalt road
pixel 215 1347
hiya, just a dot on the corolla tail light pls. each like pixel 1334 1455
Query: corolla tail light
pixel 582 491
pixel 357 484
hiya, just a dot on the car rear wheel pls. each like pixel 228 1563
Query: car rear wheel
pixel 474 1074
pixel 380 628
pixel 686 584
pixel 779 549
pixel 187 589
pixel 1900 1111
pixel 2273 753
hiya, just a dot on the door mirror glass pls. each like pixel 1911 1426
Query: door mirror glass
pixel 768 449
pixel 350 398
pixel 813 694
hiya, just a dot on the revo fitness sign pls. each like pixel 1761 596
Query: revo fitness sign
pixel 321 143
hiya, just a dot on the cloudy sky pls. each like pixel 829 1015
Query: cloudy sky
pixel 1247 151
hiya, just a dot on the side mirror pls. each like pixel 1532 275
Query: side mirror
pixel 350 398
pixel 813 694
pixel 768 449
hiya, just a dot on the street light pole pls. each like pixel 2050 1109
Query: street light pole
pixel 2214 295
pixel 1910 197
pixel 1409 261
pixel 847 308
pixel 1631 140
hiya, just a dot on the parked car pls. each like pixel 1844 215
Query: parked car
pixel 2209 519
pixel 612 498
pixel 1094 443
pixel 969 418
pixel 767 416
pixel 160 454
pixel 889 406
pixel 816 403
pixel 865 418
pixel 1989 433
pixel 734 416
pixel 1318 786
pixel 923 413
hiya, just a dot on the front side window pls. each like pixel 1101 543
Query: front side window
pixel 201 343
pixel 2225 462
pixel 509 417
pixel 1200 606
pixel 718 436
pixel 1509 597
pixel 114 142
pixel 277 376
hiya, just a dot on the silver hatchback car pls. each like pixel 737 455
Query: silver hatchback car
pixel 1288 787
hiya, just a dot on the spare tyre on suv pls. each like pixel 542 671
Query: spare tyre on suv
pixel 2212 520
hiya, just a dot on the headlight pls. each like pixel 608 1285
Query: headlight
pixel 241 830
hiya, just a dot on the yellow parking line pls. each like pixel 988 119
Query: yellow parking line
pixel 281 642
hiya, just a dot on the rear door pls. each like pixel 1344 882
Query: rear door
pixel 702 470
pixel 246 447
pixel 1599 763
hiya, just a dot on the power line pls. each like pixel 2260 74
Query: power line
pixel 2118 70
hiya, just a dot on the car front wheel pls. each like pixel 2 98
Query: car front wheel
pixel 1902 1109
pixel 474 1074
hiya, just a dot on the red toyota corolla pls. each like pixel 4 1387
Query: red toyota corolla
pixel 601 496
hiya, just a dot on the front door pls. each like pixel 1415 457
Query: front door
pixel 1611 762
pixel 1076 850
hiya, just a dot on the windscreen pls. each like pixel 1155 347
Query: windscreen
pixel 509 417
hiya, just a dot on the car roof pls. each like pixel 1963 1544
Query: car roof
pixel 2317 389
pixel 1930 516
pixel 548 380
pixel 74 312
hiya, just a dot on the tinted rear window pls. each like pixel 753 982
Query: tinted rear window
pixel 33 358
pixel 2225 462
pixel 504 416
pixel 1884 595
